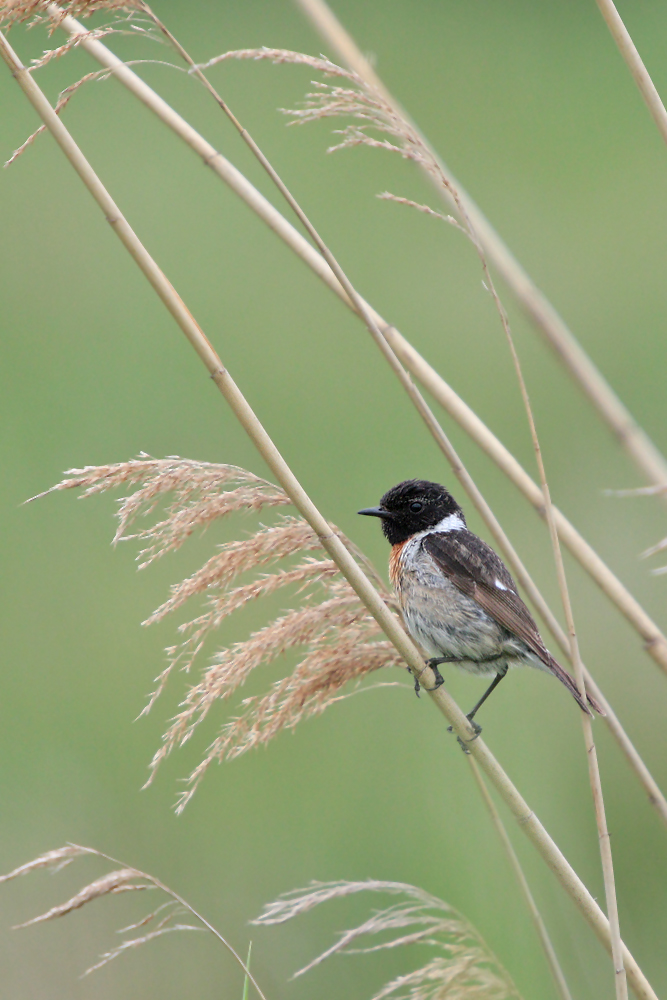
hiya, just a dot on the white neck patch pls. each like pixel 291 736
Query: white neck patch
pixel 453 522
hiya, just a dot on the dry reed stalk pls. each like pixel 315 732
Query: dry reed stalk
pixel 634 62
pixel 535 915
pixel 346 563
pixel 419 368
pixel 467 969
pixel 646 456
pixel 124 879
pixel 620 979
pixel 413 361
pixel 358 303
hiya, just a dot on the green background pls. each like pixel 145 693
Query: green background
pixel 533 109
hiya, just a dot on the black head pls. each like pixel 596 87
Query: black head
pixel 412 506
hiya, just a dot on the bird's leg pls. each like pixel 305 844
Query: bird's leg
pixel 471 715
pixel 494 684
pixel 434 663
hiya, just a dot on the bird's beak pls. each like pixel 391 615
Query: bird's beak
pixel 387 515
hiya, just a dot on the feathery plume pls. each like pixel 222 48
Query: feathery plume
pixel 119 880
pixel 340 642
pixel 125 21
pixel 465 969
pixel 361 102
pixel 12 11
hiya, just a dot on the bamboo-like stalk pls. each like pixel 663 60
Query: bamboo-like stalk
pixel 620 979
pixel 535 915
pixel 358 303
pixel 634 62
pixel 330 541
pixel 419 367
pixel 636 442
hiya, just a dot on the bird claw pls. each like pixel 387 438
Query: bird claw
pixel 417 684
pixel 464 743
pixel 439 679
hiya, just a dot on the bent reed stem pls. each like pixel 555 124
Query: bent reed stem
pixel 330 541
pixel 620 979
pixel 439 389
pixel 636 442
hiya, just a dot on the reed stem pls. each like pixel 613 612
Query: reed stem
pixel 644 453
pixel 634 62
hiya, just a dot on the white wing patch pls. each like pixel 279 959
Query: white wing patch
pixel 499 585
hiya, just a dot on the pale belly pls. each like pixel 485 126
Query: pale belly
pixel 447 623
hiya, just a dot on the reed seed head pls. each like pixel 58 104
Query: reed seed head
pixel 12 11
pixel 464 967
pixel 337 641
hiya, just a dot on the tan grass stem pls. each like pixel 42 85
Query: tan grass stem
pixel 443 393
pixel 620 979
pixel 534 303
pixel 535 915
pixel 633 61
pixel 330 541
pixel 358 303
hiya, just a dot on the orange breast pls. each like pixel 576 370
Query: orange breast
pixel 395 565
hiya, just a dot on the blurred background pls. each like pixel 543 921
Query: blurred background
pixel 533 109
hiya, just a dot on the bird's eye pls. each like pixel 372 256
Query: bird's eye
pixel 416 506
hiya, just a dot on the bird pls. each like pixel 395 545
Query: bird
pixel 458 599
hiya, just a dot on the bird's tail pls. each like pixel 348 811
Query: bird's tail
pixel 568 680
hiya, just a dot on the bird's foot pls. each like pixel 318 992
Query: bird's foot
pixel 464 743
pixel 476 726
pixel 439 679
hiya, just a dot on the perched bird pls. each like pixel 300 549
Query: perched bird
pixel 458 598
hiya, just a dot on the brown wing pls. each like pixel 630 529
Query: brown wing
pixel 476 570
